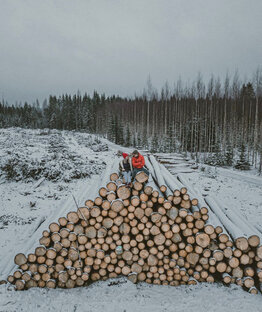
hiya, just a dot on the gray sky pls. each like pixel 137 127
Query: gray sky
pixel 59 46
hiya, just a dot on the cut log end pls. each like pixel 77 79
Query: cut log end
pixel 114 176
pixel 242 243
pixel 20 259
pixel 141 177
pixel 123 192
pixel 254 241
pixel 203 240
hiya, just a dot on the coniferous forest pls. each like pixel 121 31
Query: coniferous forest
pixel 218 122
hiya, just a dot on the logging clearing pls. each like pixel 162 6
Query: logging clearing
pixel 158 231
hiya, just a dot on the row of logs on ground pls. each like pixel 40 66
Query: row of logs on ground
pixel 141 233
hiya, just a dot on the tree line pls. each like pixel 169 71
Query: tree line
pixel 218 122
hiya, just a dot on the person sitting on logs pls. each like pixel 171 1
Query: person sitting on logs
pixel 138 162
pixel 125 167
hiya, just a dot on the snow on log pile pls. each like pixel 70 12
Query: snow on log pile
pixel 155 232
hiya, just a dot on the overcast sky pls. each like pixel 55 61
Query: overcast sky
pixel 61 46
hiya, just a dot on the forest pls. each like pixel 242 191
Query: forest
pixel 216 122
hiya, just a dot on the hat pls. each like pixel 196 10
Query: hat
pixel 124 155
pixel 135 152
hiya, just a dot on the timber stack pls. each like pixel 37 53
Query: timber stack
pixel 147 233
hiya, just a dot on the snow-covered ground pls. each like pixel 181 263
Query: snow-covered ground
pixel 232 189
pixel 120 295
pixel 25 204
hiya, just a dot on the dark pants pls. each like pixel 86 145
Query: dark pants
pixel 136 170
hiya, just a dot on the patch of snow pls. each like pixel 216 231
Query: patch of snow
pixel 119 295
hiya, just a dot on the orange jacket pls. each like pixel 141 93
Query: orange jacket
pixel 138 162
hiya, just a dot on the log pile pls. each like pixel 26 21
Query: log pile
pixel 147 233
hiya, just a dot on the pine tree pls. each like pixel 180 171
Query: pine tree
pixel 154 144
pixel 134 140
pixel 119 132
pixel 127 137
pixel 112 129
pixel 242 162
pixel 229 156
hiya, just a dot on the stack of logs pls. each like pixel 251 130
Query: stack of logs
pixel 144 234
